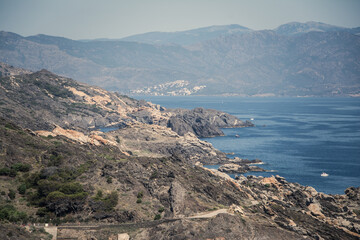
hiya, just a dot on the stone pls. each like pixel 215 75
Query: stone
pixel 123 236
pixel 315 210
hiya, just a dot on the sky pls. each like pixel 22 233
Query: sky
pixel 91 19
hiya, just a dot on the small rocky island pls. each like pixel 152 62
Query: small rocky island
pixel 240 165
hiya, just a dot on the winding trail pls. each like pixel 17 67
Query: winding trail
pixel 209 214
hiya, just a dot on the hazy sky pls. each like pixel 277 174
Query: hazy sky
pixel 87 19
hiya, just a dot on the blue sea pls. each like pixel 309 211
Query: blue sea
pixel 299 138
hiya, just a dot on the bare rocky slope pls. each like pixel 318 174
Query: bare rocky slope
pixel 54 105
pixel 8 70
pixel 142 179
pixel 106 192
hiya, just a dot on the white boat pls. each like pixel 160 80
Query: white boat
pixel 251 119
pixel 324 174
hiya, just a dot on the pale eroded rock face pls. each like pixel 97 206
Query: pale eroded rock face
pixel 76 136
pixel 177 198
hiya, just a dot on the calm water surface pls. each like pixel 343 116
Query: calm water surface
pixel 298 137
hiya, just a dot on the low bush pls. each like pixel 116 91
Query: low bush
pixel 22 189
pixel 8 212
pixel 8 172
pixel 21 167
pixel 109 179
pixel 140 194
pixel 12 194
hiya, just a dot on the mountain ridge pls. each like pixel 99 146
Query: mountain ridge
pixel 309 63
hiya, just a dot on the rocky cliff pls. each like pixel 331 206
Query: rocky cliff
pixel 54 105
pixel 142 179
pixel 106 192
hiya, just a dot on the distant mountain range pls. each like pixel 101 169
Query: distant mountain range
pixel 187 37
pixel 295 59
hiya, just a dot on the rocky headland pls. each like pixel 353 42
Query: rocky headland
pixel 141 180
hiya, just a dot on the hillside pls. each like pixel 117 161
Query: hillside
pixel 142 179
pixel 295 59
pixel 43 101
pixel 7 70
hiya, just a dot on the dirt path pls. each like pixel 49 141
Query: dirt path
pixel 65 231
pixel 209 214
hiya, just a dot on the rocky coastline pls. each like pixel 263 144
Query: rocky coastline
pixel 146 178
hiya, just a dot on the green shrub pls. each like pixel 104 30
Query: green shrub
pixel 45 187
pixel 157 217
pixel 32 180
pixel 56 195
pixel 99 195
pixel 12 194
pixel 161 209
pixel 4 171
pixel 106 203
pixel 109 179
pixel 10 126
pixel 71 188
pixel 42 212
pixel 9 212
pixel 55 159
pixel 21 167
pixel 8 172
pixel 140 194
pixel 139 200
pixel 61 203
pixel 22 189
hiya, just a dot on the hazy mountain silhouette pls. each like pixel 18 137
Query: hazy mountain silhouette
pixel 295 59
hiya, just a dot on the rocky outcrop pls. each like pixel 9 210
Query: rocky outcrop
pixel 41 100
pixel 236 168
pixel 304 210
pixel 177 198
pixel 238 160
pixel 8 70
pixel 77 136
pixel 168 188
pixel 203 122
pixel 158 141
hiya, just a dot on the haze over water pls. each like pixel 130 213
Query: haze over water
pixel 298 137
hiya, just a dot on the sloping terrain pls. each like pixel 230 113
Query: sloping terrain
pixel 7 70
pixel 295 59
pixel 55 178
pixel 43 100
pixel 52 105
